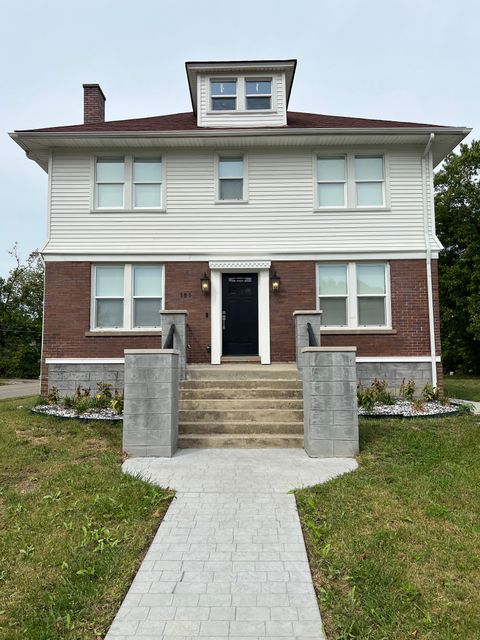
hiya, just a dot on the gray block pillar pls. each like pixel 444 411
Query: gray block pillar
pixel 150 415
pixel 301 319
pixel 330 402
pixel 180 341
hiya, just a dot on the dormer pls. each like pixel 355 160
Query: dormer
pixel 241 94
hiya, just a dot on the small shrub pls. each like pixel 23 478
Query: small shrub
pixel 82 392
pixel 104 389
pixel 365 397
pixel 418 404
pixel 407 390
pixel 68 402
pixel 116 402
pixel 430 394
pixel 381 393
pixel 53 396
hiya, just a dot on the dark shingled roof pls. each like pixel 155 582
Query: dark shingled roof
pixel 187 122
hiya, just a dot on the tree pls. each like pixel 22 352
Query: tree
pixel 21 309
pixel 457 205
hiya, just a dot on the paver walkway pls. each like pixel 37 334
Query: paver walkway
pixel 19 388
pixel 228 560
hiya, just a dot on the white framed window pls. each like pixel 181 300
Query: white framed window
pixel 132 182
pixel 223 94
pixel 350 181
pixel 332 181
pixel 354 295
pixel 231 178
pixel 369 181
pixel 126 296
pixel 258 94
pixel 110 182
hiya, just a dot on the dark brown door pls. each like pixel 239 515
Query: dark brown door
pixel 240 314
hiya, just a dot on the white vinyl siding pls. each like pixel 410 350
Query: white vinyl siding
pixel 126 296
pixel 279 217
pixel 354 295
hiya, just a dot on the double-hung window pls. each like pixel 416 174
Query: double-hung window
pixel 127 296
pixel 353 295
pixel 110 183
pixel 230 178
pixel 258 94
pixel 332 180
pixel 223 94
pixel 369 181
pixel 350 181
pixel 129 182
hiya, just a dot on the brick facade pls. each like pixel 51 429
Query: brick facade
pixel 67 313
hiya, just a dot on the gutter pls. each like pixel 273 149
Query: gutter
pixel 427 163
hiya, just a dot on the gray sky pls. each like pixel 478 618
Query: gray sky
pixel 411 60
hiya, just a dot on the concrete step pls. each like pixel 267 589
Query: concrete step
pixel 239 428
pixel 229 383
pixel 215 393
pixel 257 441
pixel 242 372
pixel 241 403
pixel 241 415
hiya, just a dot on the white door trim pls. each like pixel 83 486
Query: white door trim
pixel 263 270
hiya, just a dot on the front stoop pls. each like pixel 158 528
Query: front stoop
pixel 242 406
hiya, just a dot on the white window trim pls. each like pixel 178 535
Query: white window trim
pixel 128 184
pixel 231 154
pixel 241 94
pixel 128 306
pixel 352 296
pixel 350 181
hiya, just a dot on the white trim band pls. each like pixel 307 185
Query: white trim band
pixel 396 359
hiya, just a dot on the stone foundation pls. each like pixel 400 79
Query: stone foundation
pixel 67 377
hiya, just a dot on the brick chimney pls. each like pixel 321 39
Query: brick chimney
pixel 93 104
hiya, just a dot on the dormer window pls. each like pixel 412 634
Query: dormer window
pixel 224 95
pixel 258 94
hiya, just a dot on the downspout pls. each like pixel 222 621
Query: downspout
pixel 426 156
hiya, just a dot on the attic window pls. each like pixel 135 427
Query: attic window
pixel 258 94
pixel 223 94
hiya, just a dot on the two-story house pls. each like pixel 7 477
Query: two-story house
pixel 241 212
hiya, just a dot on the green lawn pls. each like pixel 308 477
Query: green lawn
pixel 73 528
pixel 463 387
pixel 395 546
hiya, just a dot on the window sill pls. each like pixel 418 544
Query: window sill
pixel 128 211
pixel 231 201
pixel 348 209
pixel 239 111
pixel 366 330
pixel 122 332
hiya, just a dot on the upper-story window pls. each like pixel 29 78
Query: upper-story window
pixel 223 94
pixel 350 181
pixel 241 94
pixel 129 182
pixel 231 178
pixel 258 94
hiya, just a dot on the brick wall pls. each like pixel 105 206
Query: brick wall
pixel 67 312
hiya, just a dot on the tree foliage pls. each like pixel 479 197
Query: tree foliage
pixel 457 205
pixel 21 307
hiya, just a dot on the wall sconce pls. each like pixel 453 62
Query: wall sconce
pixel 275 280
pixel 205 284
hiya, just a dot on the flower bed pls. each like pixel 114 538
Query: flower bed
pixel 407 409
pixel 90 414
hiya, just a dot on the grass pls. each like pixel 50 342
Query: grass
pixel 463 387
pixel 395 546
pixel 73 528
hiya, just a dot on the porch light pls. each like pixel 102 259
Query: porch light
pixel 205 284
pixel 275 280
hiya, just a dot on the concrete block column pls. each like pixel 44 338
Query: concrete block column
pixel 180 340
pixel 150 416
pixel 330 402
pixel 301 319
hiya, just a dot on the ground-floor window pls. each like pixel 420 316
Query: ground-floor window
pixel 127 296
pixel 354 294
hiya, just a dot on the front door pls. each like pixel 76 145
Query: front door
pixel 240 314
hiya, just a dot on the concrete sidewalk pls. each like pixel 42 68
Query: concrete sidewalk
pixel 19 388
pixel 228 560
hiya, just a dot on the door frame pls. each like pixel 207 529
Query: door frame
pixel 241 266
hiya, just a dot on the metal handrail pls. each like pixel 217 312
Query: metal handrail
pixel 168 344
pixel 312 339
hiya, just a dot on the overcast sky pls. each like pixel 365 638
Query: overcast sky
pixel 414 60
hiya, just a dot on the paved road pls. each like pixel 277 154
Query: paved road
pixel 19 388
pixel 228 560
